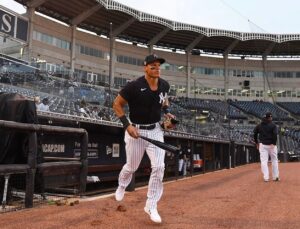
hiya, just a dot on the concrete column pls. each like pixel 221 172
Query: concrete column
pixel 150 49
pixel 264 63
pixel 188 74
pixel 114 58
pixel 73 49
pixel 226 76
pixel 30 14
pixel 112 61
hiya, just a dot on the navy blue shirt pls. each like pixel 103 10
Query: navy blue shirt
pixel 145 104
pixel 267 132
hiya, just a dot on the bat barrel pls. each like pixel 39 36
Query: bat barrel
pixel 161 145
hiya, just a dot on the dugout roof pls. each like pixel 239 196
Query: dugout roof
pixel 136 26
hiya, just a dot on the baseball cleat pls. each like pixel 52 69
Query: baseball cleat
pixel 153 213
pixel 119 195
pixel 266 180
pixel 276 179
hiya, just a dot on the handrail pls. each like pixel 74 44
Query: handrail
pixel 33 129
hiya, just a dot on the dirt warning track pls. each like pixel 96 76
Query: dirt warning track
pixel 235 198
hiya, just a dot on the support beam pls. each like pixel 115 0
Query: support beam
pixel 269 49
pixel 122 27
pixel 226 76
pixel 194 43
pixel 112 35
pixel 73 49
pixel 36 3
pixel 265 77
pixel 112 51
pixel 30 15
pixel 231 47
pixel 158 36
pixel 188 74
pixel 84 15
pixel 150 49
pixel 188 63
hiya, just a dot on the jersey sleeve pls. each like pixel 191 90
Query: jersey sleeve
pixel 256 132
pixel 126 92
pixel 274 135
pixel 166 86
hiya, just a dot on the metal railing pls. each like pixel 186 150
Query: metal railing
pixel 31 166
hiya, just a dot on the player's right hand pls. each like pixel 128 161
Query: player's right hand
pixel 257 146
pixel 132 131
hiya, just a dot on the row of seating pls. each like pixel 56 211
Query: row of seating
pixel 292 107
pixel 67 98
pixel 217 106
pixel 260 108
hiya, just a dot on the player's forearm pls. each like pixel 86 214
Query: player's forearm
pixel 121 115
pixel 166 109
pixel 118 109
pixel 118 105
pixel 166 103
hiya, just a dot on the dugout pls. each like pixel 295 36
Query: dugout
pixel 213 155
pixel 15 164
pixel 106 152
pixel 21 169
pixel 244 154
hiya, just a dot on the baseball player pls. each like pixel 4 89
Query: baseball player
pixel 267 132
pixel 182 162
pixel 146 97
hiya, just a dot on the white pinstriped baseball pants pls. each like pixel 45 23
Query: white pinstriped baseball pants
pixel 265 151
pixel 135 149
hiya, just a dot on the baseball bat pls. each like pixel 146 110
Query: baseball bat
pixel 161 145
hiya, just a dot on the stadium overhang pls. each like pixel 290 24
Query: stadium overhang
pixel 144 28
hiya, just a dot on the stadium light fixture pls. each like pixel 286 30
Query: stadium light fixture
pixel 208 91
pixel 279 92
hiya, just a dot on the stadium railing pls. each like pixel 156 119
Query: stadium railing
pixel 50 167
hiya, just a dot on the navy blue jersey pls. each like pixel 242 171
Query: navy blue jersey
pixel 267 132
pixel 145 104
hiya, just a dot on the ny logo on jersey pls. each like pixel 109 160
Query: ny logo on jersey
pixel 162 97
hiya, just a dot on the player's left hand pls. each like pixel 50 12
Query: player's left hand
pixel 168 124
pixel 169 116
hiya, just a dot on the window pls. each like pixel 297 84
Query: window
pixel 51 40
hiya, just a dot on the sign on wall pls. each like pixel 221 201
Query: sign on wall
pixel 13 25
pixel 101 148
